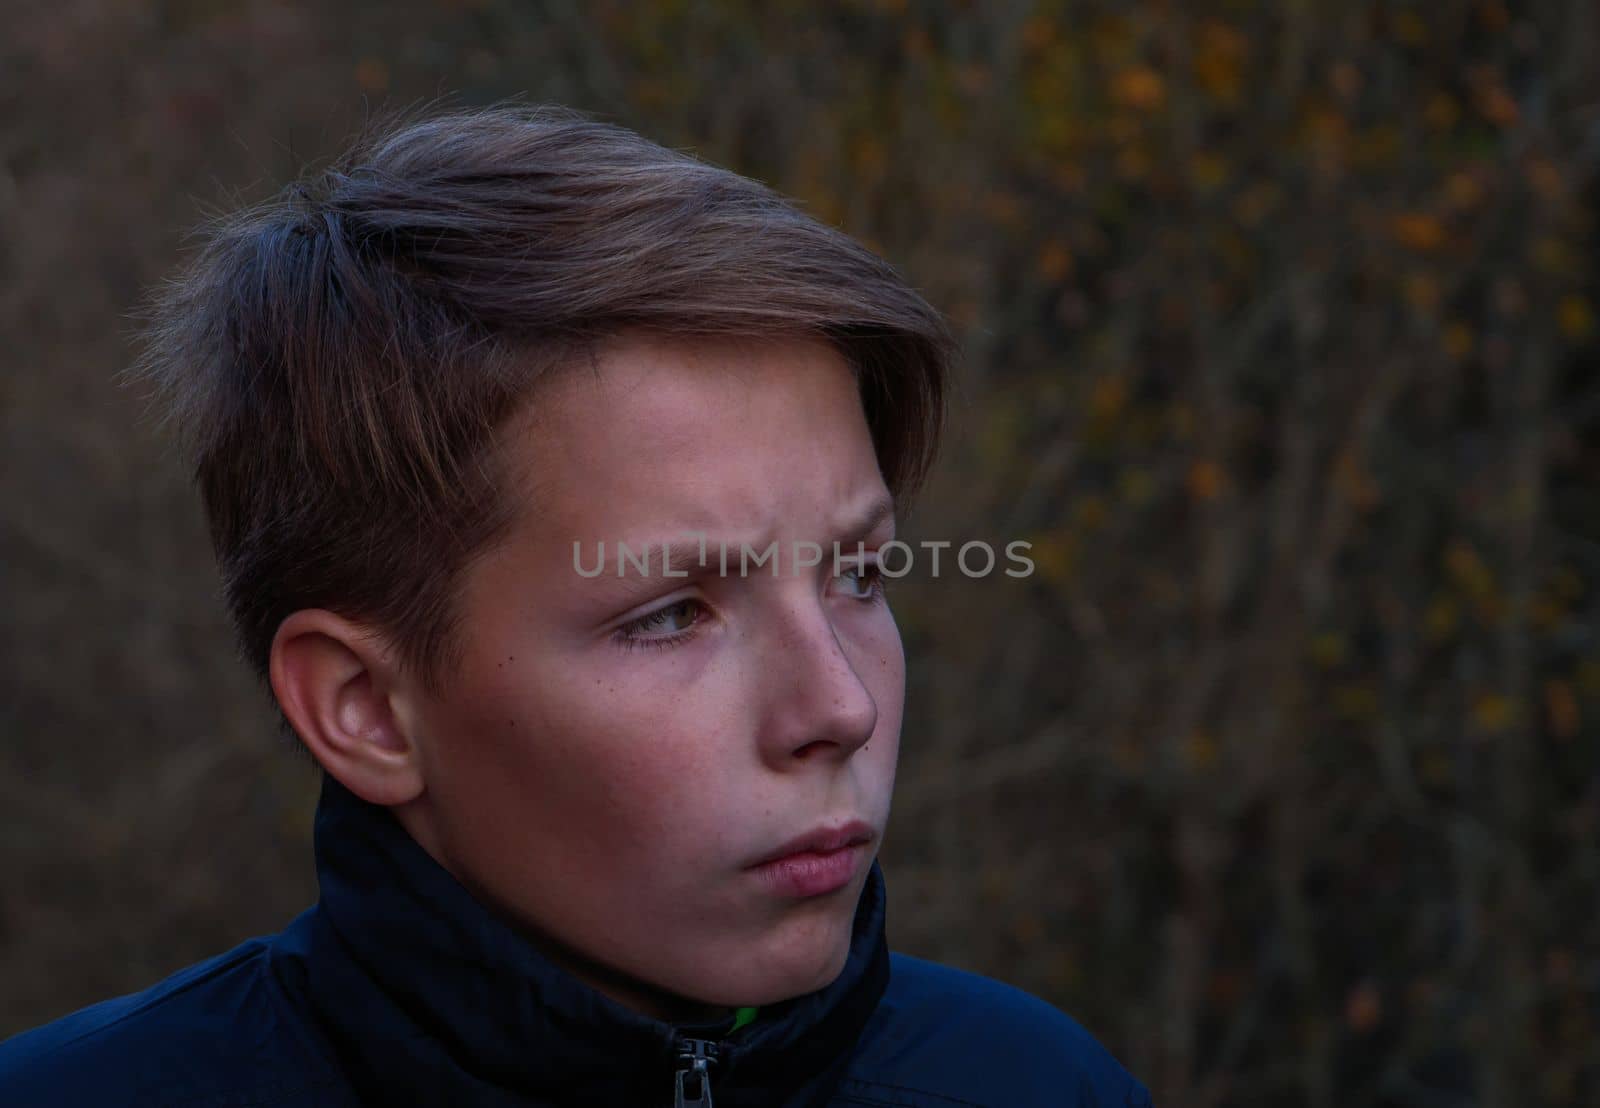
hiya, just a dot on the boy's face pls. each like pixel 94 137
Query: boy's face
pixel 610 782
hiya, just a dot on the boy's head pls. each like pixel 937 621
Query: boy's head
pixel 423 389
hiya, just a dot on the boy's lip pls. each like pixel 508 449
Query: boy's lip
pixel 821 840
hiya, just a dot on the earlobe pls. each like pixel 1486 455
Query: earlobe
pixel 331 677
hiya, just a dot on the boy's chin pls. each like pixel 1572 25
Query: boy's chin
pixel 771 976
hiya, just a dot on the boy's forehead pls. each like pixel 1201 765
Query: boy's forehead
pixel 647 414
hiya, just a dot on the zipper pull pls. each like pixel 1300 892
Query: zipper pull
pixel 693 1086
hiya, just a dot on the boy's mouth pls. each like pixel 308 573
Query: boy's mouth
pixel 820 861
pixel 821 840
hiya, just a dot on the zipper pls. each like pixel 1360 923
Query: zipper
pixel 692 1088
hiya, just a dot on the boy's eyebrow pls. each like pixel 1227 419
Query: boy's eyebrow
pixel 683 555
pixel 881 509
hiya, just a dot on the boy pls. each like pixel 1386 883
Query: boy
pixel 584 838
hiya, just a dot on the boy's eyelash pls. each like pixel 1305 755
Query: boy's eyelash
pixel 631 642
pixel 630 635
pixel 876 581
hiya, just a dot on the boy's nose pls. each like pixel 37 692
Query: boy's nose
pixel 819 706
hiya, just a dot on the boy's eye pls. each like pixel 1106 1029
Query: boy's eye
pixel 664 626
pixel 673 618
pixel 862 580
pixel 676 623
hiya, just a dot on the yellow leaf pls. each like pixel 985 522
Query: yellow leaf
pixel 1468 570
pixel 1496 18
pixel 1490 609
pixel 1063 971
pixel 1055 261
pixel 1256 203
pixel 1208 170
pixel 1441 619
pixel 1175 309
pixel 1463 191
pixel 870 155
pixel 1356 702
pixel 1435 768
pixel 1546 179
pixel 1200 751
pixel 1363 1007
pixel 1559 965
pixel 1566 583
pixel 1409 28
pixel 1377 145
pixel 1128 753
pixel 1028 928
pixel 1575 316
pixel 1133 164
pixel 1139 87
pixel 1326 125
pixel 1055 556
pixel 1562 708
pixel 1493 713
pixel 1422 292
pixel 1003 208
pixel 1418 230
pixel 1328 649
pixel 1346 80
pixel 1588 677
pixel 1038 33
pixel 1551 255
pixel 1496 105
pixel 1206 479
pixel 372 75
pixel 998 434
pixel 1071 178
pixel 1136 486
pixel 973 77
pixel 1442 111
pixel 1218 62
pixel 1090 513
pixel 1458 341
pixel 1355 483
pixel 1108 399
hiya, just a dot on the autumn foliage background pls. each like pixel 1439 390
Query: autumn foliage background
pixel 1282 773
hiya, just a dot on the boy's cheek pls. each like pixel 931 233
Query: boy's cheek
pixel 886 671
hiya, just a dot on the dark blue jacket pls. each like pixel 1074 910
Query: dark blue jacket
pixel 399 988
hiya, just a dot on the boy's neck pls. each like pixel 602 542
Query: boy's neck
pixel 640 996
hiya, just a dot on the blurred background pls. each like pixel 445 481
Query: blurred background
pixel 1282 772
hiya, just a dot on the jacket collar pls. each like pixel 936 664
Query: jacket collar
pixel 432 997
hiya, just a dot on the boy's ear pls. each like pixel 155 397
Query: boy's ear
pixel 333 679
